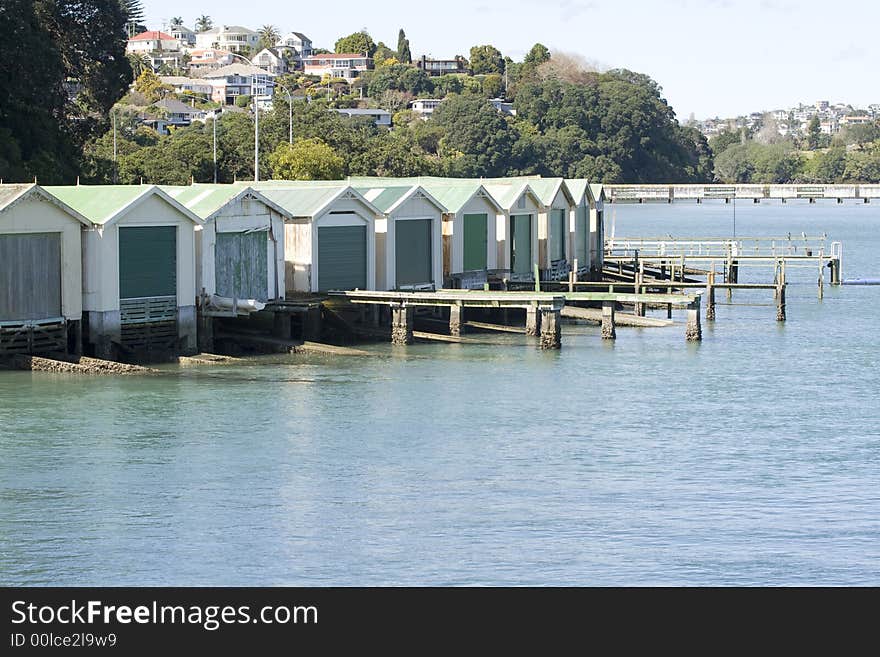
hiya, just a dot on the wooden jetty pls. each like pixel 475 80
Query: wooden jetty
pixel 750 192
pixel 543 310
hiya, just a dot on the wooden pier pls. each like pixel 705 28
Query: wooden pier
pixel 543 310
pixel 750 192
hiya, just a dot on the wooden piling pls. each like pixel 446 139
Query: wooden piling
pixel 551 329
pixel 401 324
pixel 693 331
pixel 835 271
pixel 608 330
pixel 780 302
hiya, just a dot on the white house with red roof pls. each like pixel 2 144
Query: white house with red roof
pixel 152 41
pixel 347 66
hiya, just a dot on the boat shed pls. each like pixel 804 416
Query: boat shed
pixel 556 227
pixel 470 228
pixel 40 272
pixel 409 237
pixel 139 270
pixel 597 228
pixel 582 245
pixel 517 231
pixel 330 235
pixel 240 246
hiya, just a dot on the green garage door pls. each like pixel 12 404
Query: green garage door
pixel 241 265
pixel 147 262
pixel 342 257
pixel 413 252
pixel 30 276
pixel 558 235
pixel 476 237
pixel 582 236
pixel 521 243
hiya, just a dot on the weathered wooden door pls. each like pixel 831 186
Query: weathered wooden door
pixel 342 257
pixel 241 265
pixel 30 276
pixel 476 237
pixel 413 252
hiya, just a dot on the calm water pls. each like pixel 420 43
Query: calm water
pixel 751 458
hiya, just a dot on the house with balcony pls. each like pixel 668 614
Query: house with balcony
pixel 347 66
pixel 236 80
pixel 183 35
pixel 438 67
pixel 201 61
pixel 233 38
pixel 271 60
pixel 152 41
pixel 425 107
pixel 189 86
pixel 172 114
pixel 296 46
pixel 380 117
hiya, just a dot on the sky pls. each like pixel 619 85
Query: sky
pixel 711 57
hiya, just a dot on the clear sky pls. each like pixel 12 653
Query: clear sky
pixel 712 57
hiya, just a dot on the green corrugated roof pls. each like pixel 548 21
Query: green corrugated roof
pixel 301 201
pixel 10 192
pixel 598 190
pixel 204 200
pixel 577 187
pixel 383 197
pixel 505 194
pixel 98 203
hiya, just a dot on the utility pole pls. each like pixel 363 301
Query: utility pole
pixel 214 122
pixel 115 165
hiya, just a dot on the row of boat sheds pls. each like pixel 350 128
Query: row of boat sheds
pixel 113 270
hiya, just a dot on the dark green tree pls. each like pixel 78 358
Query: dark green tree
pixel 359 42
pixel 403 53
pixel 537 55
pixel 477 140
pixel 486 59
pixel 814 133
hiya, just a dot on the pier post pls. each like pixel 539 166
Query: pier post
pixel 455 319
pixel 551 329
pixel 640 306
pixel 668 305
pixel 710 296
pixel 835 271
pixel 281 326
pixel 401 324
pixel 609 332
pixel 780 302
pixel 693 332
pixel 533 321
pixel 312 324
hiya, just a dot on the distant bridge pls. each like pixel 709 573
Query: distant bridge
pixel 755 193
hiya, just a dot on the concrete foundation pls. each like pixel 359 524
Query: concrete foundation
pixel 693 331
pixel 206 334
pixel 281 326
pixel 187 330
pixel 401 324
pixel 533 321
pixel 551 329
pixel 609 332
pixel 456 316
pixel 312 324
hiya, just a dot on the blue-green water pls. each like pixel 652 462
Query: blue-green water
pixel 751 458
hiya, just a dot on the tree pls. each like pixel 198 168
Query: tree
pixel 486 59
pixel 204 23
pixel 384 53
pixel 493 86
pixel 537 55
pixel 725 139
pixel 269 36
pixel 306 159
pixel 814 133
pixel 139 62
pixel 43 128
pixel 478 140
pixel 177 21
pixel 134 12
pixel 359 42
pixel 149 85
pixel 403 53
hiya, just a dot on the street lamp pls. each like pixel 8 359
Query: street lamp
pixel 256 119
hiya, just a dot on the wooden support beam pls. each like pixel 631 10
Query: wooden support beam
pixel 780 302
pixel 710 296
